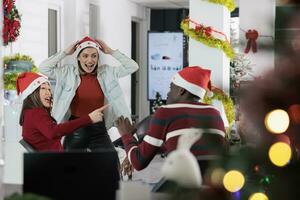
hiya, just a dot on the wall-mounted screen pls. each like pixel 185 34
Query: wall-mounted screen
pixel 165 58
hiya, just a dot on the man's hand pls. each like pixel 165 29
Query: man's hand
pixel 124 126
pixel 127 168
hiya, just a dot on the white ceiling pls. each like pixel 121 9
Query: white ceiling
pixel 163 3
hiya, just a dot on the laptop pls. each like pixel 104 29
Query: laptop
pixel 72 175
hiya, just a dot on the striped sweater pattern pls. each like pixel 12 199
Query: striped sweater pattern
pixel 171 121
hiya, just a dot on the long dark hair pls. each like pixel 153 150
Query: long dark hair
pixel 81 71
pixel 32 101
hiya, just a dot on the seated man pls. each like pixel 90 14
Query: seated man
pixel 183 113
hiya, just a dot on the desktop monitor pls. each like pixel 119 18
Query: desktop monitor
pixel 72 175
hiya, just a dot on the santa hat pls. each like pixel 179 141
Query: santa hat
pixel 87 42
pixel 194 79
pixel 28 82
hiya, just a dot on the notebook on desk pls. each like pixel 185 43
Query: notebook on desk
pixel 72 175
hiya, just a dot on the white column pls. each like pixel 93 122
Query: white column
pixel 218 17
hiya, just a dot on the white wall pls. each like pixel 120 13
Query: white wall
pixel 203 12
pixel 33 33
pixel 33 41
pixel 261 18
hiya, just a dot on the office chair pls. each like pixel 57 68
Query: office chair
pixel 27 146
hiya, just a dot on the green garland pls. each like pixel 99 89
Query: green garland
pixel 229 4
pixel 227 103
pixel 11 77
pixel 207 40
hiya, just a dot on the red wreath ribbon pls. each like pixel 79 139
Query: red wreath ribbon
pixel 251 36
pixel 207 30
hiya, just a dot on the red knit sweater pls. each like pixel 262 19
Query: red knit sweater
pixel 43 133
pixel 171 121
pixel 89 96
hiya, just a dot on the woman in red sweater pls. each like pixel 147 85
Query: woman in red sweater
pixel 39 129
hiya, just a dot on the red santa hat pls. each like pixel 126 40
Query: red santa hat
pixel 87 42
pixel 28 82
pixel 194 79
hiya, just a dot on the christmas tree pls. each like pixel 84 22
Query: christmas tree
pixel 157 102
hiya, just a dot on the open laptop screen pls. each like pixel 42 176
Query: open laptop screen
pixel 72 175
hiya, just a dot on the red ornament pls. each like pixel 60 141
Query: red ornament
pixel 208 31
pixel 251 36
pixel 294 113
pixel 256 168
pixel 198 28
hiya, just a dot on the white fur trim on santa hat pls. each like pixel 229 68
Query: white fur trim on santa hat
pixel 85 45
pixel 33 86
pixel 192 88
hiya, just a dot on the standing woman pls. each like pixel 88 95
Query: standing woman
pixel 85 85
pixel 39 129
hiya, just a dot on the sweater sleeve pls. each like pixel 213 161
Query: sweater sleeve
pixel 50 129
pixel 49 67
pixel 128 66
pixel 141 155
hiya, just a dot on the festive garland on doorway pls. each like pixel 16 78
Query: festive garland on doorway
pixel 203 34
pixel 11 22
pixel 229 4
pixel 228 104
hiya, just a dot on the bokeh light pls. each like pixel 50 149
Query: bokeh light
pixel 258 196
pixel 217 176
pixel 294 113
pixel 280 154
pixel 233 181
pixel 277 121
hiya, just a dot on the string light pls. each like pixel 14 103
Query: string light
pixel 277 121
pixel 217 176
pixel 280 154
pixel 258 196
pixel 233 181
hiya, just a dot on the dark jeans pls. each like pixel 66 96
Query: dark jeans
pixel 93 137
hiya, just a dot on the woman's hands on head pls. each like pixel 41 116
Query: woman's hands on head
pixel 97 115
pixel 71 49
pixel 104 48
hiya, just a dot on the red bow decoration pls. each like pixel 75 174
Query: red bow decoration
pixel 251 36
pixel 206 30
